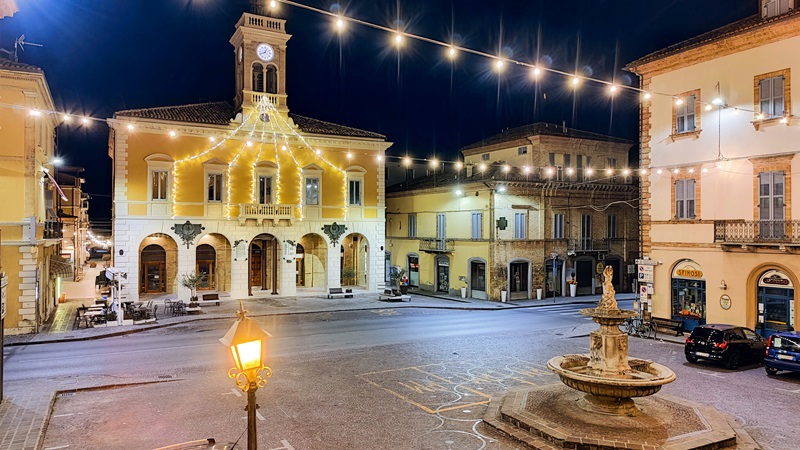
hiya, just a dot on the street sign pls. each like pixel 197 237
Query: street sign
pixel 646 262
pixel 645 274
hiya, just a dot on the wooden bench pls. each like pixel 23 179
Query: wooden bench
pixel 669 324
pixel 339 293
pixel 390 294
pixel 211 298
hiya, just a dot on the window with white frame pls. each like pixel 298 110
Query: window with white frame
pixel 159 184
pixel 215 187
pixel 477 225
pixel 522 150
pixel 312 190
pixel 771 96
pixel 685 114
pixel 685 198
pixel 774 8
pixel 520 225
pixel 412 225
pixel 355 192
pixel 612 226
pixel 558 226
pixel 264 189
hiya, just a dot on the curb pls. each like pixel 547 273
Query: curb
pixel 405 306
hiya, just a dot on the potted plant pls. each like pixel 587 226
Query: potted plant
pixel 573 287
pixel 404 284
pixel 348 276
pixel 538 293
pixel 463 280
pixel 190 281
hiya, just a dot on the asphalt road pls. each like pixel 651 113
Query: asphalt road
pixel 394 379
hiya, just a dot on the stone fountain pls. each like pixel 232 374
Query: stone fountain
pixel 608 377
pixel 594 409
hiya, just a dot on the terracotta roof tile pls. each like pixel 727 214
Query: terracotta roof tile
pixel 7 64
pixel 741 26
pixel 221 113
pixel 542 129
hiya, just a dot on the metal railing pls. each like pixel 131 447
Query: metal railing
pixel 436 245
pixel 589 245
pixel 52 229
pixel 265 212
pixel 757 231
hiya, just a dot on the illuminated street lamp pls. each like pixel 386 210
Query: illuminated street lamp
pixel 246 341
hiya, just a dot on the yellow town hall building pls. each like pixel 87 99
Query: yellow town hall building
pixel 261 200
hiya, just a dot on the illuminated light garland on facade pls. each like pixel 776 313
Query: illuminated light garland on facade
pixel 254 179
pixel 228 183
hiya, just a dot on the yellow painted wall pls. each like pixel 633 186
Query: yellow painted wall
pixel 191 184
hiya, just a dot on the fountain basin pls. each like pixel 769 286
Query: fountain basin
pixel 611 394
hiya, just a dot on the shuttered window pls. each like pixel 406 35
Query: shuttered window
pixel 685 198
pixel 770 97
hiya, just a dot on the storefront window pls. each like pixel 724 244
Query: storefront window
pixel 689 302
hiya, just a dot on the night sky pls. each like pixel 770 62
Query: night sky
pixel 101 56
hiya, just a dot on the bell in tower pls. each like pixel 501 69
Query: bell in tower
pixel 260 53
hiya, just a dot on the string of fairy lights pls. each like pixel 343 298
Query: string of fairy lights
pixel 283 130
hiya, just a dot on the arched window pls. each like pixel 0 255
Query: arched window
pixel 272 79
pixel 258 77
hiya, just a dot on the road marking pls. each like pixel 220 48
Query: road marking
pixel 793 391
pixel 286 446
pixel 63 415
pixel 233 391
pixel 56 448
pixel 260 417
pixel 713 374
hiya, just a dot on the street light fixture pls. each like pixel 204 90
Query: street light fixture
pixel 247 340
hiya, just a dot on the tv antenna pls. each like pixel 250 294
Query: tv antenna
pixel 19 44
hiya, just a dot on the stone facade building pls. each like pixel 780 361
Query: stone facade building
pixel 721 150
pixel 531 208
pixel 259 200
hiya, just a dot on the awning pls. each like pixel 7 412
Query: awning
pixel 61 269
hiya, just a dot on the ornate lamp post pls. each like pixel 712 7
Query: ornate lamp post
pixel 246 341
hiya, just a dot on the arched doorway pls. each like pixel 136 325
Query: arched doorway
pixel 206 265
pixel 158 264
pixel 688 294
pixel 354 260
pixel 213 254
pixel 311 260
pixel 264 263
pixel 154 265
pixel 775 303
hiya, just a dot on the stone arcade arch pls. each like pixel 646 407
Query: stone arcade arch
pixel 354 260
pixel 214 258
pixel 158 264
pixel 264 265
pixel 312 258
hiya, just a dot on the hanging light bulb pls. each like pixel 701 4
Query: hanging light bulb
pixel 506 168
pixel 407 161
pixel 318 152
pixel 273 4
pixel 452 53
pixel 575 80
pixel 570 171
pixel 459 165
pixel 718 101
pixel 613 89
pixel 434 162
pixel 283 147
pixel 379 158
pixel 647 95
pixel 679 101
pixel 609 171
pixel 526 169
pixel 249 143
pixel 626 172
pixel 676 171
pixel 482 167
pixel 398 38
pixel 130 127
pixel 705 169
pixel 760 116
pixel 498 65
pixel 458 192
pixel 691 170
pixel 784 119
pixel 339 24
pixel 212 139
pixel 549 171
pixel 659 171
pixel 172 133
pixel 349 155
pixel 589 171
pixel 642 171
pixel 708 107
pixel 535 72
pixel 66 118
pixel 85 120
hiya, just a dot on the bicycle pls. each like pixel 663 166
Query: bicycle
pixel 639 327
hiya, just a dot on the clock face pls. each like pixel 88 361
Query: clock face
pixel 265 52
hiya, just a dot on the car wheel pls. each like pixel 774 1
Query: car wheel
pixel 691 358
pixel 733 361
pixel 770 370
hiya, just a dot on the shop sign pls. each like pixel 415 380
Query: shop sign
pixel 645 274
pixel 687 269
pixel 775 278
pixel 444 263
pixel 725 302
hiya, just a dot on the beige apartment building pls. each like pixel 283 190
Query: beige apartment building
pixel 533 207
pixel 721 151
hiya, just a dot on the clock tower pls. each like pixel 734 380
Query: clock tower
pixel 259 45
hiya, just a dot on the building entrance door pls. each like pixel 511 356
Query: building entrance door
pixel 518 281
pixel 413 271
pixel 154 277
pixel 477 279
pixel 443 275
pixel 584 274
pixel 775 307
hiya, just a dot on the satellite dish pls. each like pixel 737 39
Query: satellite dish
pixel 19 44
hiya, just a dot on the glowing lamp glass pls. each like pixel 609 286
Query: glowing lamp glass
pixel 575 81
pixel 647 95
pixel 589 171
pixel 708 107
pixel 130 127
pixel 459 165
pixel 679 101
pixel 536 72
pixel 339 23
pixel 247 355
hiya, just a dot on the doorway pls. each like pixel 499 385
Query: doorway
pixel 154 259
pixel 442 274
pixel 518 275
pixel 413 271
pixel 300 266
pixel 584 274
pixel 477 279
pixel 206 262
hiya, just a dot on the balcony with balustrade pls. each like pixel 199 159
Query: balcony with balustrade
pixel 276 100
pixel 266 212
pixel 763 233
pixel 52 229
pixel 586 245
pixel 434 245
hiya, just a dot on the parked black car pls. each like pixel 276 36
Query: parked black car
pixel 730 344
